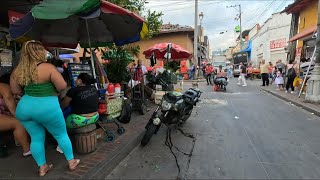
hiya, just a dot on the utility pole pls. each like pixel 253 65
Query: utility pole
pixel 200 58
pixel 313 88
pixel 234 6
pixel 195 41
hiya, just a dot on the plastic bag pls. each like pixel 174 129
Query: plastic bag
pixel 296 81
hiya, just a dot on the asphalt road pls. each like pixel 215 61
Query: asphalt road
pixel 243 133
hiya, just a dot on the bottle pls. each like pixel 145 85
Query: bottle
pixel 117 88
pixel 110 89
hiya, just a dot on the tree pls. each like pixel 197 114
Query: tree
pixel 119 57
pixel 153 18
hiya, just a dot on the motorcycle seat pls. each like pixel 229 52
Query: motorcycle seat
pixel 174 97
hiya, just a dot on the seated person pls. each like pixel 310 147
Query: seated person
pixel 8 122
pixel 221 78
pixel 83 100
pixel 221 73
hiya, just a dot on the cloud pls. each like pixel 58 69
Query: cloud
pixel 217 17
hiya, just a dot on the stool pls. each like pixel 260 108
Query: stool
pixel 84 139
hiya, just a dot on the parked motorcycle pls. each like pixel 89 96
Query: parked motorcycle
pixel 175 108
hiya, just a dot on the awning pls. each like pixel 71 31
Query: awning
pixel 304 33
pixel 297 6
pixel 248 49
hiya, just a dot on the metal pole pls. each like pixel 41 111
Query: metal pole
pixel 317 61
pixel 199 59
pixel 195 41
pixel 240 27
pixel 91 55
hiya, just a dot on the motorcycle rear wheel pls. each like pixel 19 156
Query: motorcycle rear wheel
pixel 151 129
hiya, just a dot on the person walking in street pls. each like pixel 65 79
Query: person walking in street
pixel 242 78
pixel 209 70
pixel 250 71
pixel 270 69
pixel 291 75
pixel 203 68
pixel 229 71
pixel 264 73
pixel 39 110
pixel 191 71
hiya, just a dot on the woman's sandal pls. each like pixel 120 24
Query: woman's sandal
pixel 74 164
pixel 46 170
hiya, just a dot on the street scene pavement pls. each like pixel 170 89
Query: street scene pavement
pixel 244 133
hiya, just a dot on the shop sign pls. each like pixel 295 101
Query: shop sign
pixel 279 43
pixel 14 16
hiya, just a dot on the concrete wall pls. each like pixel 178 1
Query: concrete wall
pixel 275 28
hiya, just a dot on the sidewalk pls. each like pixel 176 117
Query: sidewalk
pixel 95 165
pixel 294 99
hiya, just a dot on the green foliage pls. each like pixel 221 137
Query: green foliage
pixel 154 21
pixel 119 58
pixel 173 66
pixel 152 18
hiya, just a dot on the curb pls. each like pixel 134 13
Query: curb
pixel 305 107
pixel 102 162
pixel 105 168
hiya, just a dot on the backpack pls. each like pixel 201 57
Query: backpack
pixel 291 72
pixel 125 116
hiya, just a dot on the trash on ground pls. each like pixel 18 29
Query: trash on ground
pixel 236 117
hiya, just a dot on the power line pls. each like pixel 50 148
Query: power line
pixel 191 5
pixel 281 5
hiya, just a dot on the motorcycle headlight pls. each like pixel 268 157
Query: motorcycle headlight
pixel 166 105
pixel 156 121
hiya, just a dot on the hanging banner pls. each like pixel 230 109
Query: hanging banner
pixel 14 16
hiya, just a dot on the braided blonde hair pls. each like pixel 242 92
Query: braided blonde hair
pixel 26 72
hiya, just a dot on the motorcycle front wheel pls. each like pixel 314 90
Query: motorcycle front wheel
pixel 148 135
pixel 186 117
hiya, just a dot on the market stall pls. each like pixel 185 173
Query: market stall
pixel 104 23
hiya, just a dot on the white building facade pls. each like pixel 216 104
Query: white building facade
pixel 270 40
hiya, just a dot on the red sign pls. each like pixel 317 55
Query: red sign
pixel 279 43
pixel 14 16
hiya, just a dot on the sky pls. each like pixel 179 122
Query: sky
pixel 217 17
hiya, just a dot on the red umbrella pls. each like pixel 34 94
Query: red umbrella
pixel 159 50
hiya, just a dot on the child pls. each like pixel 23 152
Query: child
pixel 279 81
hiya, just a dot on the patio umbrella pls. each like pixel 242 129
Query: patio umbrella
pixel 160 50
pixel 92 23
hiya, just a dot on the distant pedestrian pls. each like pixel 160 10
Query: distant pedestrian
pixel 192 70
pixel 209 70
pixel 291 75
pixel 250 71
pixel 264 73
pixel 229 71
pixel 270 69
pixel 242 78
pixel 281 67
